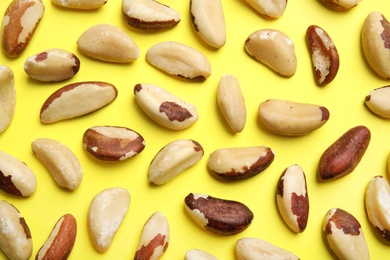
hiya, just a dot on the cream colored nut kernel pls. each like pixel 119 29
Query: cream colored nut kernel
pixel 19 24
pixel 16 178
pixel 378 101
pixel 61 162
pixel 292 118
pixel 80 4
pixel 7 97
pixel 269 8
pixel 208 19
pixel 105 215
pixel 231 102
pixel 173 159
pixel 179 60
pixel 375 38
pixel 108 43
pixel 61 240
pixel 274 49
pixel 341 5
pixel 292 198
pixel 52 65
pixel 165 108
pixel 240 162
pixel 255 248
pixel 15 235
pixel 197 254
pixel 154 239
pixel 344 235
pixel 149 15
pixel 77 99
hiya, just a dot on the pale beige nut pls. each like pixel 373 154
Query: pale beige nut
pixel 292 118
pixel 164 107
pixel 292 198
pixel 344 235
pixel 77 99
pixel 105 215
pixel 341 5
pixel 80 4
pixel 19 24
pixel 239 162
pixel 378 101
pixel 375 38
pixel 197 254
pixel 112 143
pixel 154 239
pixel 256 248
pixel 179 60
pixel 231 102
pixel 61 240
pixel 274 49
pixel 324 55
pixel 108 43
pixel 16 178
pixel 149 15
pixel 52 65
pixel 7 97
pixel 173 159
pixel 61 162
pixel 208 19
pixel 269 8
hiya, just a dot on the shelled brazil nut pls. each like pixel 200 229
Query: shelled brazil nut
pixel 7 98
pixel 269 8
pixel 341 5
pixel 80 4
pixel 197 254
pixel 378 101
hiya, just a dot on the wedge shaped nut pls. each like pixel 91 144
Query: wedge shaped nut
pixel 149 15
pixel 105 215
pixel 197 254
pixel 173 159
pixel 109 43
pixel 154 239
pixel 165 108
pixel 341 5
pixel 179 60
pixel 77 99
pixel 378 101
pixel 292 118
pixel 344 235
pixel 274 49
pixel 7 97
pixel 80 4
pixel 269 8
pixel 256 248
pixel 61 162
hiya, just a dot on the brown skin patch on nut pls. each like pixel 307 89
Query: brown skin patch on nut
pixel 137 88
pixel 300 208
pixel 384 233
pixel 345 222
pixel 325 114
pixel 26 229
pixel 146 252
pixel 41 56
pixel 7 185
pixel 76 66
pixel 386 32
pixel 197 147
pixel 149 26
pixel 175 111
pixel 280 187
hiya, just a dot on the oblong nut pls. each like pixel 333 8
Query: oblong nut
pixel 15 235
pixel 292 198
pixel 61 240
pixel 216 215
pixel 149 15
pixel 197 254
pixel 256 248
pixel 231 102
pixel 16 178
pixel 240 162
pixel 164 107
pixel 7 97
pixel 342 157
pixel 341 5
pixel 179 60
pixel 77 99
pixel 109 43
pixel 208 19
pixel 154 239
pixel 344 235
pixel 269 8
pixel 274 49
pixel 61 162
pixel 324 55
pixel 378 101
pixel 80 4
pixel 19 24
pixel 292 118
pixel 105 215
pixel 375 38
pixel 52 65
pixel 174 158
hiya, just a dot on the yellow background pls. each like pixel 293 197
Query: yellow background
pixel 344 97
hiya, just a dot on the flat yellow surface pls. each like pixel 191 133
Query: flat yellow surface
pixel 344 97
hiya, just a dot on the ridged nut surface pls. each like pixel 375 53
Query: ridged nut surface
pixel 7 97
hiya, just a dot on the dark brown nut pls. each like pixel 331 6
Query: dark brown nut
pixel 342 157
pixel 149 15
pixel 80 4
pixel 378 101
pixel 240 163
pixel 269 8
pixel 112 143
pixel 7 97
pixel 341 5
pixel 344 235
pixel 324 55
pixel 219 216
pixel 60 242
